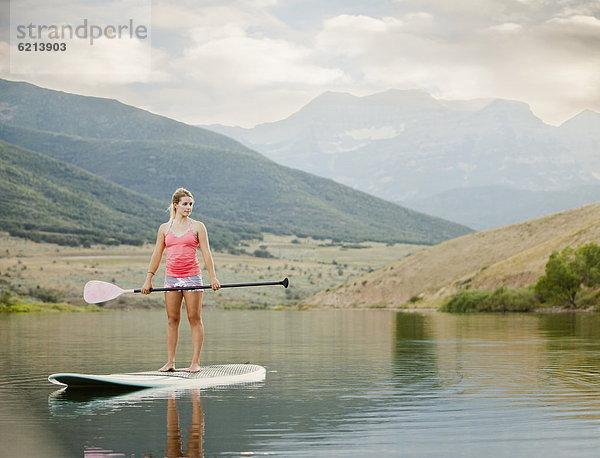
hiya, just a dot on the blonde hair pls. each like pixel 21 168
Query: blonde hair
pixel 177 195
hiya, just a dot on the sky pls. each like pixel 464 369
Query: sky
pixel 246 62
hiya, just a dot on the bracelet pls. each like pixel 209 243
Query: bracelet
pixel 151 272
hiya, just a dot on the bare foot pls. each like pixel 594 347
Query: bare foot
pixel 194 367
pixel 169 367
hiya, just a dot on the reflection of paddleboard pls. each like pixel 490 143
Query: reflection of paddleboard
pixel 207 376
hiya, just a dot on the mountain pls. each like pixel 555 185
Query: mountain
pixel 582 132
pixel 232 183
pixel 25 105
pixel 514 256
pixel 505 205
pixel 48 200
pixel 409 148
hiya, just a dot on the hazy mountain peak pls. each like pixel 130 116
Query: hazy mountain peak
pixel 405 145
pixel 506 109
pixel 469 105
pixel 329 98
pixel 586 119
pixel 412 97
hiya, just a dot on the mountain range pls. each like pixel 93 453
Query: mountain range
pixel 466 161
pixel 50 137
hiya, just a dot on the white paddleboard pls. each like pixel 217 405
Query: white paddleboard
pixel 207 376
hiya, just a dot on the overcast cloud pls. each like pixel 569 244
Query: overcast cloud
pixel 244 62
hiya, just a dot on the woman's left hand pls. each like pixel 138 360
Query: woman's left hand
pixel 214 284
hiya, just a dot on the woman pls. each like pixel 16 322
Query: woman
pixel 181 236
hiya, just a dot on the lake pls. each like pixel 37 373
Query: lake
pixel 339 383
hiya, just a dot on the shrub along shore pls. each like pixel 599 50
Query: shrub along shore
pixel 10 303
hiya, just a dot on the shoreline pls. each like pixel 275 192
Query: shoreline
pixel 64 307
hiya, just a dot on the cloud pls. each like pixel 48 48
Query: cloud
pixel 250 61
pixel 545 63
pixel 235 58
pixel 506 27
pixel 540 52
pixel 111 63
pixel 178 18
pixel 91 42
pixel 232 56
pixel 4 58
pixel 355 36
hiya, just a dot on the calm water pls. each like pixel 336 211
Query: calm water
pixel 338 383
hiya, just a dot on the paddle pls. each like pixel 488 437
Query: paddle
pixel 100 291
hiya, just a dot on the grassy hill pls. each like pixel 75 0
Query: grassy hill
pixel 513 256
pixel 48 200
pixel 230 183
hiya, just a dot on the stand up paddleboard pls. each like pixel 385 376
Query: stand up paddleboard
pixel 207 376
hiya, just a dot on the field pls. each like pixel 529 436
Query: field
pixel 53 273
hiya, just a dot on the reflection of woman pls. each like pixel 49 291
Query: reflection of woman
pixel 196 431
pixel 181 236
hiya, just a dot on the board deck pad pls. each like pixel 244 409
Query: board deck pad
pixel 207 376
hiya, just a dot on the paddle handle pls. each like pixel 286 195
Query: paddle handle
pixel 285 282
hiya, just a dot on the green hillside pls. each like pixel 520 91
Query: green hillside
pixel 238 188
pixel 230 182
pixel 48 200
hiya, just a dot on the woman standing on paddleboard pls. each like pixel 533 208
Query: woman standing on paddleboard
pixel 181 236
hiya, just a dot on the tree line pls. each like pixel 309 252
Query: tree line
pixel 571 280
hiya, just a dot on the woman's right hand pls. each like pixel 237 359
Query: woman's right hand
pixel 147 287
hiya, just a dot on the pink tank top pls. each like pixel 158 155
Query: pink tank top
pixel 181 254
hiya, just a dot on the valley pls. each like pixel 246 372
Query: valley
pixel 51 271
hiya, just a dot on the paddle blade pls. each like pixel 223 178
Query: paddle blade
pixel 100 291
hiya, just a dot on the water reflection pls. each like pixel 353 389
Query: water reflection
pixel 347 383
pixel 489 353
pixel 78 403
pixel 195 432
pixel 572 364
pixel 414 357
pixel 497 379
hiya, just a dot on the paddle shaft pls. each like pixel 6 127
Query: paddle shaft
pixel 283 283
